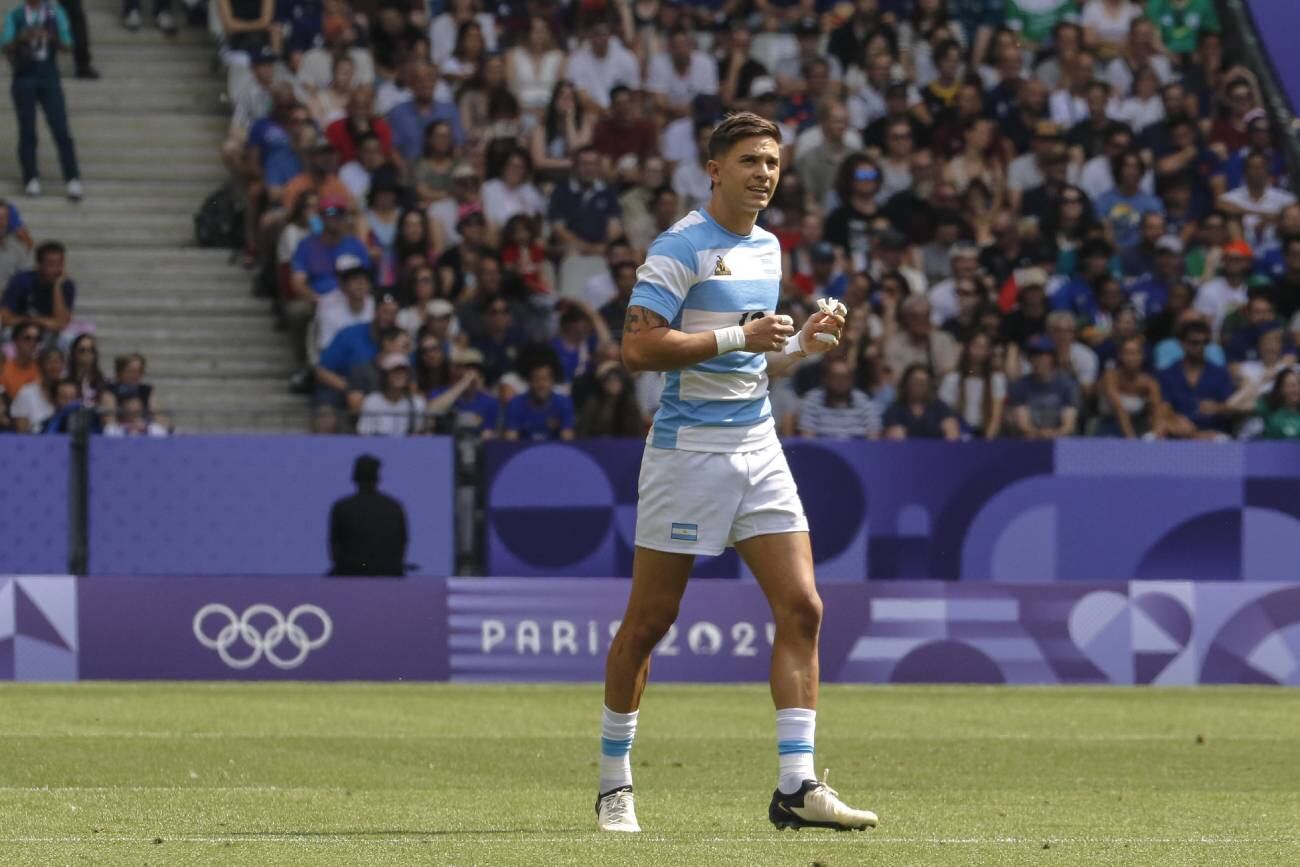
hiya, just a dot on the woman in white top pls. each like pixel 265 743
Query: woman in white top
pixel 513 192
pixel 34 403
pixel 975 390
pixel 566 127
pixel 331 103
pixel 978 161
pixel 394 411
pixel 444 29
pixel 1106 23
pixel 534 68
pixel 468 56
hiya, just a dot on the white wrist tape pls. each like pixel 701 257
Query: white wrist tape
pixel 729 339
pixel 794 346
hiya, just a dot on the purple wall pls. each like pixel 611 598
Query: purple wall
pixel 1077 510
pixel 253 505
pixel 1277 22
pixel 34 504
pixel 1139 632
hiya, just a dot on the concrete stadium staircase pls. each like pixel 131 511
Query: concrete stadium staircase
pixel 147 135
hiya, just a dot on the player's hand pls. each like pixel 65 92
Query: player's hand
pixel 768 334
pixel 822 330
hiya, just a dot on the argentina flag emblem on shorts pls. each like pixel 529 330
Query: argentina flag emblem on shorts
pixel 685 532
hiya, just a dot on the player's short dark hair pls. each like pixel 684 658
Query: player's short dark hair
pixel 739 126
pixel 45 248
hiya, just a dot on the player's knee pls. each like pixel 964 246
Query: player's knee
pixel 802 615
pixel 647 630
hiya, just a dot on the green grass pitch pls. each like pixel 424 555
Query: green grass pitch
pixel 445 774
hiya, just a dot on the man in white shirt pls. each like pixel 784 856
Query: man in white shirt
pixel 1140 51
pixel 1096 178
pixel 1072 357
pixel 601 64
pixel 680 74
pixel 349 304
pixel 1257 201
pixel 316 69
pixel 1218 297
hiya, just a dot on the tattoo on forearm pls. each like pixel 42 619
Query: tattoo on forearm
pixel 640 319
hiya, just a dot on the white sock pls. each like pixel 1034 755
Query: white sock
pixel 616 733
pixel 794 747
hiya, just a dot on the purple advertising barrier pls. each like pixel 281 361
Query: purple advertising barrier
pixel 254 505
pixel 1139 632
pixel 1277 22
pixel 161 628
pixel 34 503
pixel 38 628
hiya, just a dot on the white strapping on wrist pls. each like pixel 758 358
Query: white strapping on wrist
pixel 794 346
pixel 729 339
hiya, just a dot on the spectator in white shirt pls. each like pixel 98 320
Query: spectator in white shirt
pixel 316 69
pixel 1257 201
pixel 445 27
pixel 1072 357
pixel 34 403
pixel 602 63
pixel 1218 297
pixel 1097 178
pixel 1140 51
pixel 394 410
pixel 1069 104
pixel 351 303
pixel 690 180
pixel 680 74
pixel 513 192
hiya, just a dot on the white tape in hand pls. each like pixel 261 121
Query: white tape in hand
pixel 831 307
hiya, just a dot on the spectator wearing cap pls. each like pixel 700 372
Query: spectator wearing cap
pixel 849 226
pixel 1150 293
pixel 1030 169
pixel 585 215
pixel 252 102
pixel 602 63
pixel 315 268
pixel 32 35
pixel 320 176
pixel 1257 202
pixel 835 409
pixel 964 260
pixel 34 403
pixel 410 119
pixel 917 413
pixel 44 294
pixel 540 413
pixel 471 409
pixel 20 368
pixel 437 319
pixel 1122 207
pixel 1044 402
pixel 1220 296
pixel 676 75
pixel 353 346
pixel 513 192
pixel 350 305
pixel 394 410
pixel 919 342
pixel 623 130
pixel 1196 390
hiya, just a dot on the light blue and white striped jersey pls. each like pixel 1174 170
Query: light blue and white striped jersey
pixel 700 276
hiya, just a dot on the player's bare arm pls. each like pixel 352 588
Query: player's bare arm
pixel 650 344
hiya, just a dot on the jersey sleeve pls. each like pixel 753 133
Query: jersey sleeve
pixel 665 278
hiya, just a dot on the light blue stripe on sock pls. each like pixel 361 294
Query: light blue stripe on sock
pixel 785 748
pixel 615 748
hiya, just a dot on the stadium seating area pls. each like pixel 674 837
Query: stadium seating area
pixel 1047 217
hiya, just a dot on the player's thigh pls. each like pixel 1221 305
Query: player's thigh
pixel 658 582
pixel 687 501
pixel 782 564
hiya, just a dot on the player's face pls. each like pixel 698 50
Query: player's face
pixel 747 175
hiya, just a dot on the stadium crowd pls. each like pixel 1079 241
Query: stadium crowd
pixel 49 365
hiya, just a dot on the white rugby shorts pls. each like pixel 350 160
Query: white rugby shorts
pixel 703 502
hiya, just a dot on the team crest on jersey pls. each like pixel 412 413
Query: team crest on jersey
pixel 721 269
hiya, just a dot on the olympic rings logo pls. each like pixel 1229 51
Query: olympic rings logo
pixel 237 629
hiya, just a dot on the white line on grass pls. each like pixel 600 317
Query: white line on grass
pixel 867 838
pixel 412 736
